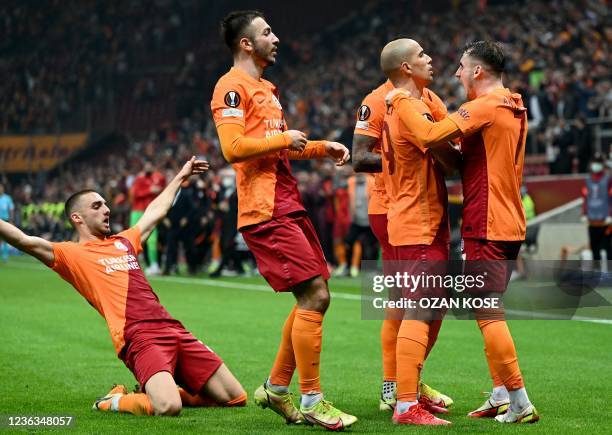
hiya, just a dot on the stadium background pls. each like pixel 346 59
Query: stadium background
pixel 89 90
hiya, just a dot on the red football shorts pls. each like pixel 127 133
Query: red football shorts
pixel 492 259
pixel 424 260
pixel 170 348
pixel 378 223
pixel 287 250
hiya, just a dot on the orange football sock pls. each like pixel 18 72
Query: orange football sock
pixel 411 348
pixel 307 336
pixel 388 340
pixel 434 330
pixel 497 382
pixel 216 248
pixel 501 353
pixel 196 400
pixel 357 251
pixel 284 364
pixel 237 401
pixel 340 252
pixel 135 403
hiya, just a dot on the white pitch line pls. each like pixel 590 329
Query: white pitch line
pixel 264 288
pixel 241 286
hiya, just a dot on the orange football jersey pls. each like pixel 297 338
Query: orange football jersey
pixel 266 188
pixel 494 129
pixel 107 274
pixel 418 199
pixel 369 122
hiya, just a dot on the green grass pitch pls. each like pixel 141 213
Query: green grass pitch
pixel 57 357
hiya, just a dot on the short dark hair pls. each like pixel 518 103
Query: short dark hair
pixel 488 52
pixel 234 25
pixel 72 201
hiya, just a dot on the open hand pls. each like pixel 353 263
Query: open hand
pixel 193 167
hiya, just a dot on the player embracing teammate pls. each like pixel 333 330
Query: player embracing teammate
pixel 368 157
pixel 492 127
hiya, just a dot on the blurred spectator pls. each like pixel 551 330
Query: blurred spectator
pixel 227 210
pixel 7 212
pixel 341 221
pixel 182 227
pixel 360 241
pixel 596 208
pixel 145 188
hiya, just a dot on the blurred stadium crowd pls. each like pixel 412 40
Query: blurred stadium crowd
pixel 61 58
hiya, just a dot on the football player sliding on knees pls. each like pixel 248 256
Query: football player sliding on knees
pixel 105 270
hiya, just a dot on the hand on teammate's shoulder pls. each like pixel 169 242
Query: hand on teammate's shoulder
pixel 391 94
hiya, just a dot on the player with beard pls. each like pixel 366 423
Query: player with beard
pixel 254 139
pixel 104 269
pixel 492 126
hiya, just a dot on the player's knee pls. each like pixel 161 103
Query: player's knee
pixel 168 408
pixel 319 299
pixel 314 295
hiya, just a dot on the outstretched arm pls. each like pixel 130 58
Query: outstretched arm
pixel 364 160
pixel 34 246
pixel 428 134
pixel 158 209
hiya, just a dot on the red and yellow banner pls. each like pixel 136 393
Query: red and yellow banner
pixel 37 153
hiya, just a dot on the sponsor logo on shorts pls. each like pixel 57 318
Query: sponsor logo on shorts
pixel 232 99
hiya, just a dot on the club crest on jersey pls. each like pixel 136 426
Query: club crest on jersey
pixel 120 246
pixel 275 100
pixel 232 99
pixel 364 112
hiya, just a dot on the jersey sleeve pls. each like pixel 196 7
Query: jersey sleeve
pixel 473 116
pixel 436 105
pixel 228 104
pixel 133 236
pixel 62 259
pixel 370 116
